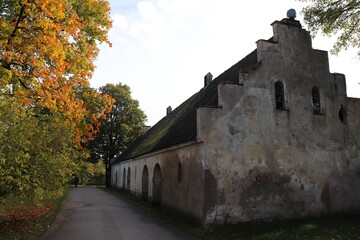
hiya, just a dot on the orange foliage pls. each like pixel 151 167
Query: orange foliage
pixel 47 49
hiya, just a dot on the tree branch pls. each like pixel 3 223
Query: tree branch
pixel 17 23
pixel 7 66
pixel 23 84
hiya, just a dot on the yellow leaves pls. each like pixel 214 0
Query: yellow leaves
pixel 37 150
pixel 38 194
pixel 9 178
pixel 52 9
pixel 6 76
pixel 47 49
pixel 48 31
pixel 2 159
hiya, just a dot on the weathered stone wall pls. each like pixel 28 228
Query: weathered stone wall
pixel 253 161
pixel 184 193
pixel 353 121
pixel 269 163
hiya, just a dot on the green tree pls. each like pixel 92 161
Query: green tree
pixel 335 17
pixel 91 173
pixel 37 156
pixel 121 126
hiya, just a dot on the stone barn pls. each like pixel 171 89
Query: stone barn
pixel 273 137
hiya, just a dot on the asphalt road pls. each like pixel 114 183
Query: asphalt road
pixel 90 213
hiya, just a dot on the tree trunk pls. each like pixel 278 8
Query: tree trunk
pixel 107 173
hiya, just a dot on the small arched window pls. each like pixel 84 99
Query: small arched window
pixel 316 100
pixel 279 95
pixel 179 176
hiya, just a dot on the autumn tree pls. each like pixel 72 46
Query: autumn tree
pixel 47 107
pixel 121 126
pixel 47 49
pixel 335 17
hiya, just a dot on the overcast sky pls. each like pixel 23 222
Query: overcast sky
pixel 162 49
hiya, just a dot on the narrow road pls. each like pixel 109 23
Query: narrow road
pixel 90 213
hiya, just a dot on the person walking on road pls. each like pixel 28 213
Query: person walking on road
pixel 76 179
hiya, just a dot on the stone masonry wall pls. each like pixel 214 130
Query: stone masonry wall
pixel 291 163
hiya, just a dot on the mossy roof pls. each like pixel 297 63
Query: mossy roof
pixel 180 125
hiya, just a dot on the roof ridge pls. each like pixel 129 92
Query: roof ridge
pixel 180 125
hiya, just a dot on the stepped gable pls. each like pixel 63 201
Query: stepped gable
pixel 179 126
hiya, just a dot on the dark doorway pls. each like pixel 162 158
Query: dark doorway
pixel 124 178
pixel 157 181
pixel 128 179
pixel 145 184
pixel 179 176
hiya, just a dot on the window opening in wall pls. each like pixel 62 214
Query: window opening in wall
pixel 179 176
pixel 342 114
pixel 279 95
pixel 316 100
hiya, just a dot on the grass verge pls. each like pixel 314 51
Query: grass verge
pixel 336 228
pixel 339 228
pixel 21 219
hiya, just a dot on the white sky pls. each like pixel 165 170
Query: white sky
pixel 162 49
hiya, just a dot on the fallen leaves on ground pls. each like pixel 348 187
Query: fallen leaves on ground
pixel 15 221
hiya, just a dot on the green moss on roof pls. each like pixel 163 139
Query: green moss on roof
pixel 180 125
